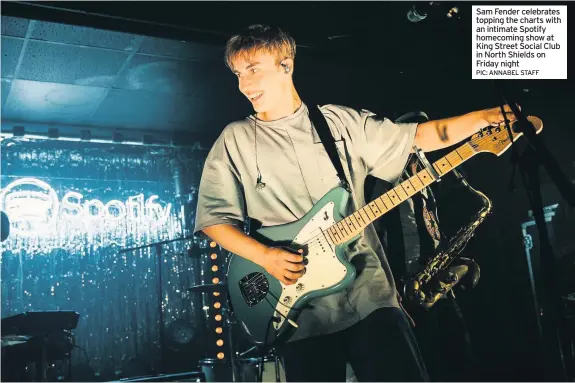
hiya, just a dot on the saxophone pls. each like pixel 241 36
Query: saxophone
pixel 436 279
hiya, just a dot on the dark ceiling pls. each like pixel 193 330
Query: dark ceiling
pixel 157 67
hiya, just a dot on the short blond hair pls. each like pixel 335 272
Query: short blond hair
pixel 260 37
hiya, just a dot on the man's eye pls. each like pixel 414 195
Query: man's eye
pixel 254 70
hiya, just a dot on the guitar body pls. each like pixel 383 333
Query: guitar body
pixel 262 303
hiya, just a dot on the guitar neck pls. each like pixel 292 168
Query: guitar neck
pixel 355 223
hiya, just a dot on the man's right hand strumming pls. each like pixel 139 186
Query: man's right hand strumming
pixel 284 265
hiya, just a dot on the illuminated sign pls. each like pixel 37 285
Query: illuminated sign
pixel 34 209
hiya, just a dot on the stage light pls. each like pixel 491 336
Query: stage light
pixel 218 317
pixel 53 133
pixel 85 135
pixel 217 305
pixel 214 268
pixel 220 355
pixel 220 342
pixel 215 281
pixel 214 256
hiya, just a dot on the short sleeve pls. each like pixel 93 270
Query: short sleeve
pixel 387 146
pixel 220 196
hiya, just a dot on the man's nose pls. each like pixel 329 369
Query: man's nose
pixel 242 83
pixel 245 85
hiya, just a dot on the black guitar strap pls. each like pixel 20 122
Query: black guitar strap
pixel 318 121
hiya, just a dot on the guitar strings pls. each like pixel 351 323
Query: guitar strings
pixel 261 276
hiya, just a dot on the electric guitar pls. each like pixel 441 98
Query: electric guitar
pixel 267 308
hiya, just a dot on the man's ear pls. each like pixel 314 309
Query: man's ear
pixel 287 64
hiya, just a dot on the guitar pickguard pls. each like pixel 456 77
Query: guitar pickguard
pixel 323 270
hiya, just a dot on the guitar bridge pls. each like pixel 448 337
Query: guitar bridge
pixel 254 288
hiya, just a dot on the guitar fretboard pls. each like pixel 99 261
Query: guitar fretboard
pixel 355 223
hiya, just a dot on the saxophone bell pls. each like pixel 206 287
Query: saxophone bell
pixel 471 279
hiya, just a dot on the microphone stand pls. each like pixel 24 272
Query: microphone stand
pixel 159 284
pixel 532 158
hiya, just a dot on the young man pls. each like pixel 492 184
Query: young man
pixel 272 167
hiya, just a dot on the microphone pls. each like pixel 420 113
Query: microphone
pixel 259 184
pixel 420 11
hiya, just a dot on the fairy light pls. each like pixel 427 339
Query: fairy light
pixel 215 253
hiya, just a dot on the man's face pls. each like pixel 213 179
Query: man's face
pixel 261 79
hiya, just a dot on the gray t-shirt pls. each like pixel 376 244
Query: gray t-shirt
pixel 297 172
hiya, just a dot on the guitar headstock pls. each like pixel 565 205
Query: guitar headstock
pixel 496 139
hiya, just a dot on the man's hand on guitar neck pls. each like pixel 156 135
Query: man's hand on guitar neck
pixel 440 134
pixel 284 265
pixel 494 117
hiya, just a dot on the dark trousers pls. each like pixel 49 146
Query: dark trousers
pixel 379 348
